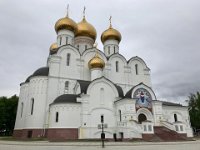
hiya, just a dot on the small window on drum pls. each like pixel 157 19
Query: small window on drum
pixel 136 69
pixel 68 59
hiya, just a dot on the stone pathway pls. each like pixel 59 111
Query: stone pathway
pixel 45 145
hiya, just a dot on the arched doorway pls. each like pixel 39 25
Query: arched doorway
pixel 141 118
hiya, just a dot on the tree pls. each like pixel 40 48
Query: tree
pixel 8 109
pixel 194 110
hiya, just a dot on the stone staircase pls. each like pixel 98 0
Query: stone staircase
pixel 162 133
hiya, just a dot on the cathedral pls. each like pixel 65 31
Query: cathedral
pixel 82 89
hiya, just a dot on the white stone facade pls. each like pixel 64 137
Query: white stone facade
pixel 66 94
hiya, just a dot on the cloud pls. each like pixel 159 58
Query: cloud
pixel 164 33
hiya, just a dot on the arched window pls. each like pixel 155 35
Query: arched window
pixel 32 105
pixel 136 69
pixel 141 118
pixel 102 118
pixel 78 47
pixel 85 47
pixel 66 85
pixel 66 40
pixel 114 49
pixel 60 40
pixel 22 107
pixel 175 118
pixel 120 115
pixel 68 59
pixel 57 115
pixel 117 66
pixel 108 47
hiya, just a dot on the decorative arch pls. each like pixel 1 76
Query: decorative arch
pixel 68 47
pixel 146 112
pixel 93 50
pixel 138 59
pixel 117 55
pixel 144 86
pixel 102 80
pixel 178 115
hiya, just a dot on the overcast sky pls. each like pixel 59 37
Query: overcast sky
pixel 165 33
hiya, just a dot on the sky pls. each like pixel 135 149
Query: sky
pixel 164 33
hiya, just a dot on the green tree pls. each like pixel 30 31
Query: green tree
pixel 194 110
pixel 8 109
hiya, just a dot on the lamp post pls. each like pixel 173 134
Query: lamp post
pixel 102 132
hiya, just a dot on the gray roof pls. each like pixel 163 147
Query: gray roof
pixel 170 103
pixel 128 94
pixel 84 85
pixel 66 98
pixel 43 71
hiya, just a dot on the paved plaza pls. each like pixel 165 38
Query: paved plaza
pixel 45 145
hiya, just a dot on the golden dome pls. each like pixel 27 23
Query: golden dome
pixel 53 47
pixel 96 62
pixel 111 33
pixel 66 23
pixel 86 29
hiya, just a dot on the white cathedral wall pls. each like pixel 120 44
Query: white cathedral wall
pixel 68 115
pixel 21 112
pixel 114 76
pixel 98 101
pixel 182 116
pixel 128 111
pixel 38 91
pixel 157 112
pixel 71 71
pixel 142 76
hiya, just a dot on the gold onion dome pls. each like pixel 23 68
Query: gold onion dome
pixel 86 29
pixel 96 62
pixel 53 47
pixel 67 24
pixel 109 34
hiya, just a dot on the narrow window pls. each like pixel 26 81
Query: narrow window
pixel 68 58
pixel 114 49
pixel 120 115
pixel 78 47
pixel 181 128
pixel 109 50
pixel 136 69
pixel 66 85
pixel 102 119
pixel 60 40
pixel 145 128
pixel 176 127
pixel 149 128
pixel 32 105
pixel 117 66
pixel 66 40
pixel 57 115
pixel 22 107
pixel 175 118
pixel 85 47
